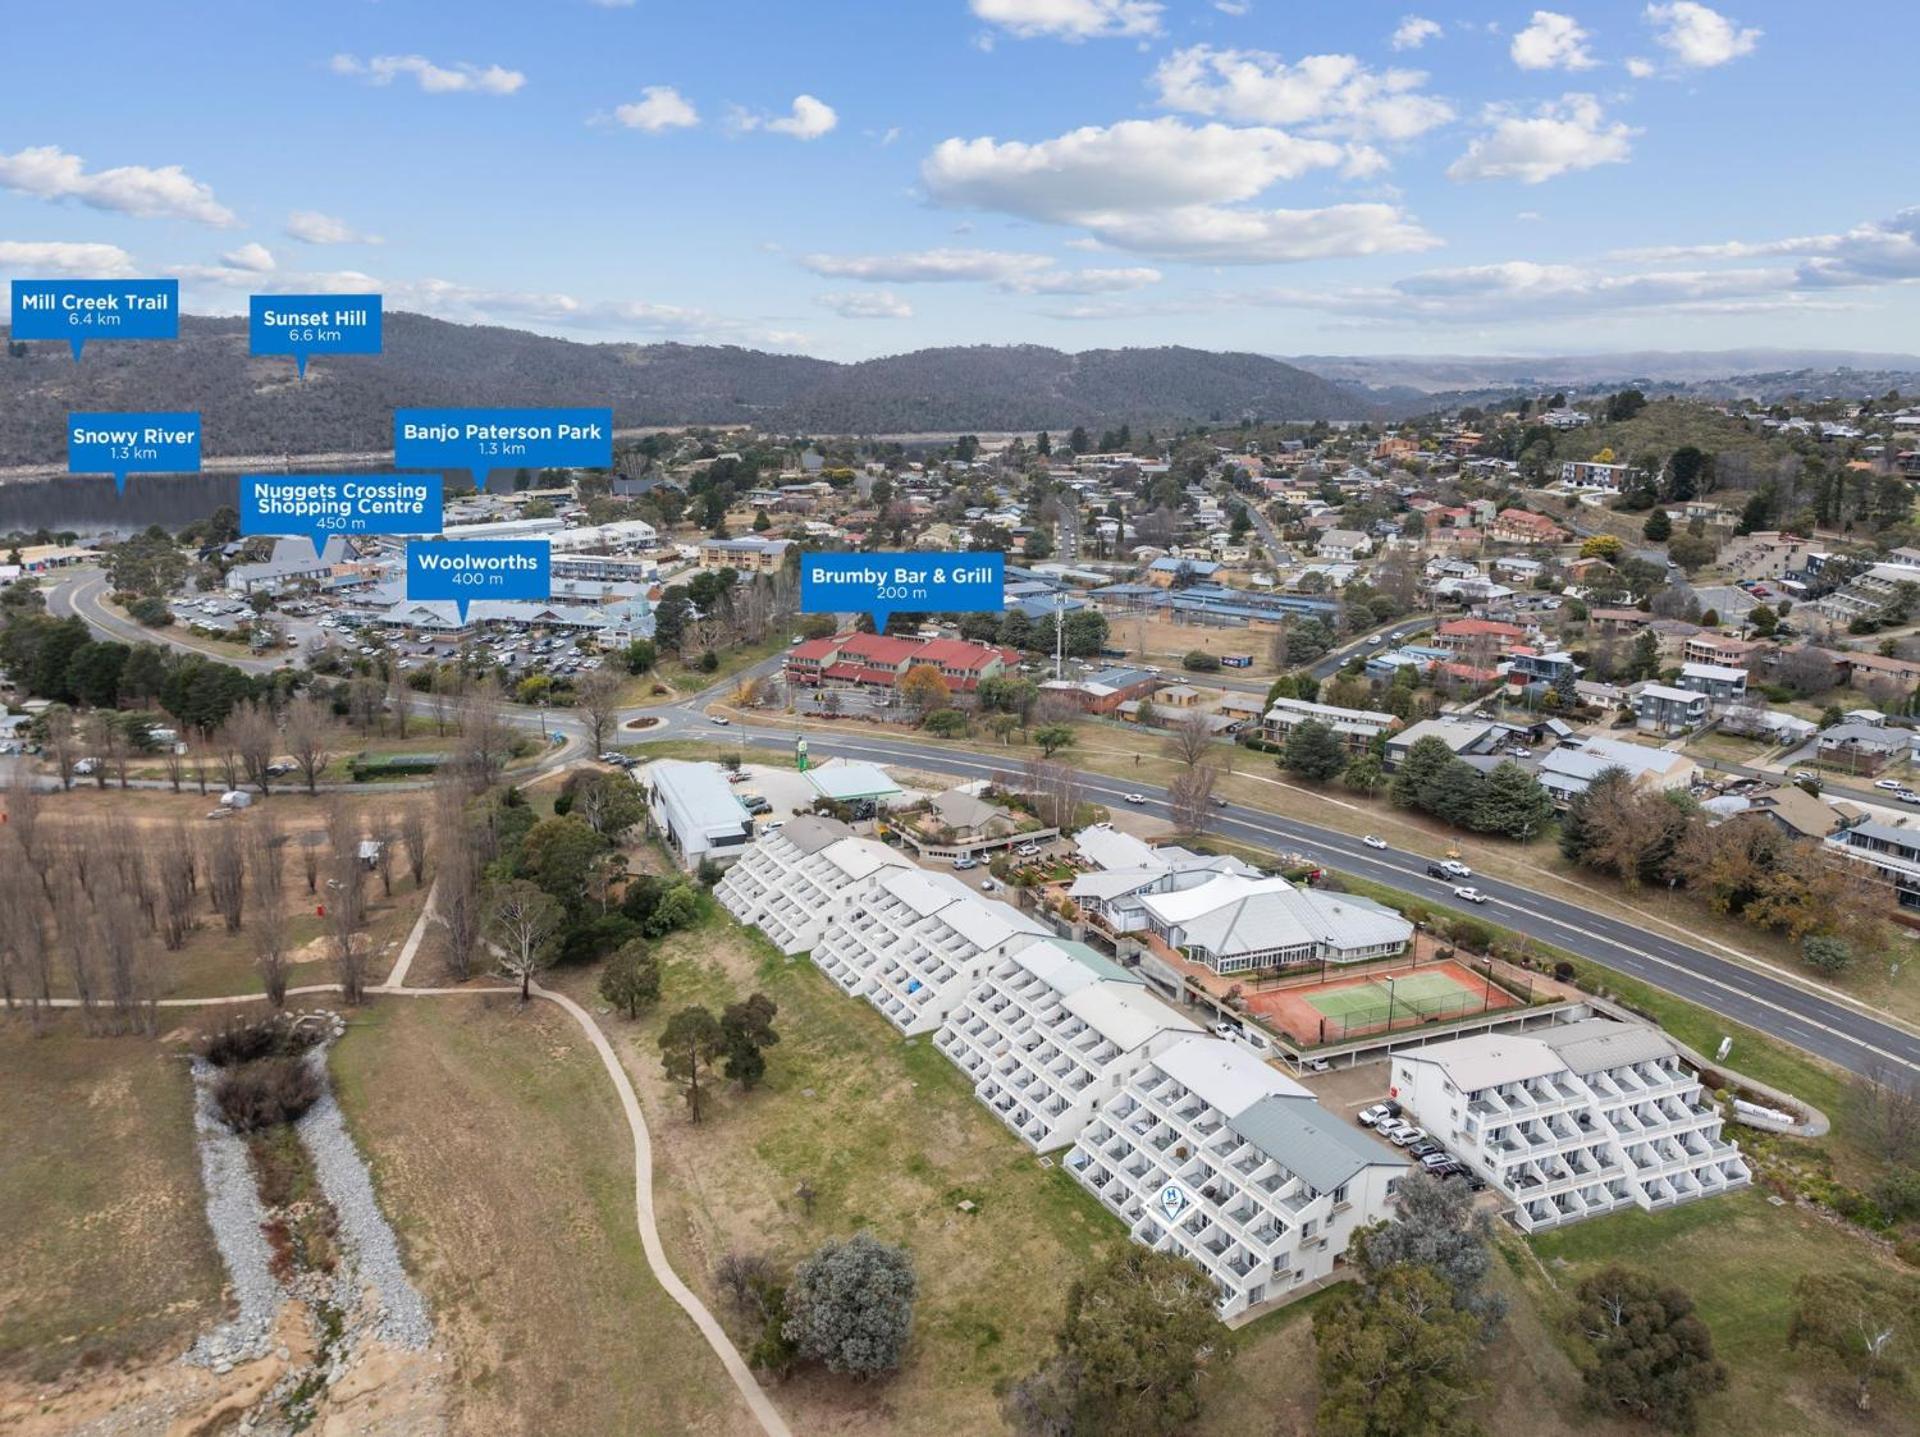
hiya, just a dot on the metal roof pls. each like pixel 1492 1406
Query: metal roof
pixel 1311 1143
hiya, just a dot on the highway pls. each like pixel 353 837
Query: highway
pixel 1851 1037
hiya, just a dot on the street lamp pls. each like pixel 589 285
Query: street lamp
pixel 544 736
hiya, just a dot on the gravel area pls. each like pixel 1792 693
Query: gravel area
pixel 400 1314
pixel 235 1214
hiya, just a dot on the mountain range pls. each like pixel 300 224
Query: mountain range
pixel 256 406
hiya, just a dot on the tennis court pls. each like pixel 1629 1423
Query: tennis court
pixel 1352 1007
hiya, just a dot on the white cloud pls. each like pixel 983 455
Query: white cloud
pixel 1641 69
pixel 1558 138
pixel 1877 252
pixel 1234 7
pixel 59 258
pixel 660 107
pixel 50 173
pixel 253 257
pixel 1011 271
pixel 1163 187
pixel 1414 31
pixel 1072 20
pixel 1552 41
pixel 1330 94
pixel 809 119
pixel 313 227
pixel 1699 38
pixel 866 304
pixel 460 77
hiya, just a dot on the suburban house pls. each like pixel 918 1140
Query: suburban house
pixel 1569 770
pixel 1490 636
pixel 1343 546
pixel 1890 852
pixel 1861 746
pixel 1212 1154
pixel 1467 737
pixel 912 943
pixel 1049 1031
pixel 695 809
pixel 1572 1121
pixel 792 883
pixel 1357 727
pixel 1522 526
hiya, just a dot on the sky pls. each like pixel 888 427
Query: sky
pixel 851 178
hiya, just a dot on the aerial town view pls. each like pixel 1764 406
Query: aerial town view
pixel 1070 718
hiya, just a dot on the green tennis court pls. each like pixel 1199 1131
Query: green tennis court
pixel 1416 992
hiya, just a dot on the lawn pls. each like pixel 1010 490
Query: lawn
pixel 500 1154
pixel 108 1257
pixel 1739 1257
pixel 889 1137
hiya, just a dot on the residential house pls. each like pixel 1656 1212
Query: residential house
pixel 1723 686
pixel 1522 526
pixel 1235 924
pixel 1569 770
pixel 1343 546
pixel 1357 727
pixel 1669 711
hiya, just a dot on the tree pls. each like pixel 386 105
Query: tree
pixel 1397 1358
pixel 1364 774
pixel 1139 1346
pixel 746 1029
pixel 1422 765
pixel 1825 953
pixel 1764 620
pixel 1512 804
pixel 631 979
pixel 1864 1325
pixel 641 656
pixel 596 695
pixel 850 1306
pixel 1053 737
pixel 690 1042
pixel 1437 1228
pixel 1314 751
pixel 558 854
pixel 1659 526
pixel 1191 737
pixel 524 922
pixel 1190 796
pixel 1644 661
pixel 1653 1357
pixel 925 689
pixel 307 732
pixel 1603 546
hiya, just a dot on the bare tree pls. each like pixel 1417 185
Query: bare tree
pixel 456 893
pixel 346 904
pixel 227 875
pixel 197 767
pixel 72 919
pixel 103 732
pixel 523 921
pixel 174 762
pixel 486 738
pixel 24 805
pixel 364 694
pixel 257 737
pixel 310 860
pixel 268 933
pixel 384 838
pixel 596 696
pixel 63 742
pixel 1054 789
pixel 1190 737
pixel 399 701
pixel 413 836
pixel 175 860
pixel 225 746
pixel 1890 1112
pixel 309 728
pixel 264 859
pixel 122 953
pixel 26 950
pixel 1190 796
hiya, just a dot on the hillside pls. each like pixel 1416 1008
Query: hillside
pixel 257 406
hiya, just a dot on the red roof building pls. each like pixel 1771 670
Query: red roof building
pixel 881 661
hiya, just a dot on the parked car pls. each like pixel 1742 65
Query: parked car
pixel 1407 1135
pixel 1892 785
pixel 1374 1116
pixel 1470 895
pixel 964 862
pixel 1391 1128
pixel 1425 1148
pixel 1439 1164
pixel 1374 840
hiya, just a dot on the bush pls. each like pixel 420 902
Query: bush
pixel 1898 1194
pixel 850 1306
pixel 240 1041
pixel 265 1092
pixel 150 611
pixel 1199 661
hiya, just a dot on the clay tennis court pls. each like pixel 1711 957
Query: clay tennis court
pixel 1352 1007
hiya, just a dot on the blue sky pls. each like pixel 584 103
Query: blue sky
pixel 857 177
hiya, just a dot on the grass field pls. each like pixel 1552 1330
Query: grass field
pixel 1739 1257
pixel 107 1256
pixel 499 1152
pixel 889 1137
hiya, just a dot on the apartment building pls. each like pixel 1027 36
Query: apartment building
pixel 695 809
pixel 1583 474
pixel 1050 1030
pixel 1357 727
pixel 744 556
pixel 1660 709
pixel 1573 1121
pixel 1523 526
pixel 793 883
pixel 1209 1153
pixel 913 944
pixel 1724 686
pixel 1890 852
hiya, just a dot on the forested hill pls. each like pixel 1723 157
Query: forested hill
pixel 257 406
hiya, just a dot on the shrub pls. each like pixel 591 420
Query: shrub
pixel 239 1041
pixel 150 611
pixel 267 1091
pixel 1199 661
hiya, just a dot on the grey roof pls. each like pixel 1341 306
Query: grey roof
pixel 1864 735
pixel 812 832
pixel 1309 1142
pixel 1594 1045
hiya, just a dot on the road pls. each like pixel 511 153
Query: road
pixel 83 593
pixel 1394 633
pixel 1850 1037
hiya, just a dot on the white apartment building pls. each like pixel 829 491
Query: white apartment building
pixel 795 881
pixel 1357 728
pixel 695 810
pixel 1573 1121
pixel 1211 1154
pixel 913 944
pixel 1050 1031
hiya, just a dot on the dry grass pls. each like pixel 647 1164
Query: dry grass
pixel 107 1256
pixel 499 1152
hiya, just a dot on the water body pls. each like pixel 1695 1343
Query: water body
pixel 89 506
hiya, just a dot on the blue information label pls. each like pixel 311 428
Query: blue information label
pixel 878 584
pixel 137 443
pixel 318 506
pixel 78 310
pixel 487 441
pixel 467 569
pixel 307 324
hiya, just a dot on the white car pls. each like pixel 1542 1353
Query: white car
pixel 1374 1116
pixel 1471 895
pixel 719 719
pixel 1374 840
pixel 1907 795
pixel 1455 868
pixel 1406 1135
pixel 1136 798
